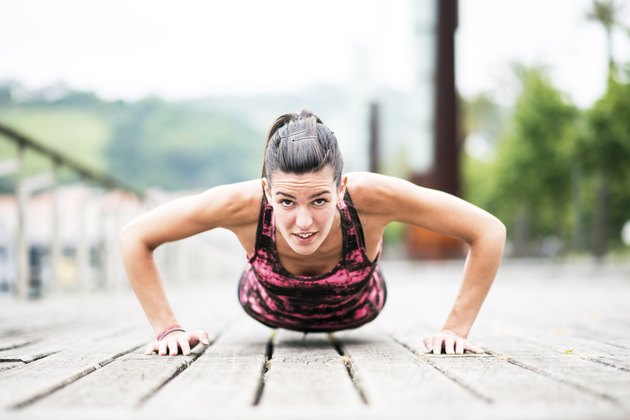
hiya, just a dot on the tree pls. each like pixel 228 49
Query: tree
pixel 604 12
pixel 532 174
pixel 605 151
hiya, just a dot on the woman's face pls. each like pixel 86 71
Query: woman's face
pixel 304 207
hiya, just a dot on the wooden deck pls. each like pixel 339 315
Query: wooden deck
pixel 557 336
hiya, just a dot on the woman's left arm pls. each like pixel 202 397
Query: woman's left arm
pixel 403 201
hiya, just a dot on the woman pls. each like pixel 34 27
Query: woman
pixel 313 237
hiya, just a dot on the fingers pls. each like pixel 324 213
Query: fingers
pixel 171 344
pixel 203 337
pixel 162 347
pixel 449 344
pixel 199 336
pixel 173 348
pixel 183 343
pixel 475 349
pixel 151 348
pixel 427 340
pixel 437 343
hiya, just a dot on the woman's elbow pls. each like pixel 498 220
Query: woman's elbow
pixel 501 230
pixel 129 238
pixel 497 234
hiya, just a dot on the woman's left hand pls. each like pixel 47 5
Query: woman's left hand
pixel 449 342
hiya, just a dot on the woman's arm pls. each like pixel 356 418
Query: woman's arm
pixel 226 206
pixel 395 199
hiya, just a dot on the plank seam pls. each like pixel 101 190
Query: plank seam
pixel 265 368
pixel 31 359
pixel 17 346
pixel 553 377
pixel 585 357
pixel 181 368
pixel 428 361
pixel 601 362
pixel 70 380
pixel 351 368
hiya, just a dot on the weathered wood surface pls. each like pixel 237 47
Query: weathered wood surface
pixel 557 341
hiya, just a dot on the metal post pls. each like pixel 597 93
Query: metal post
pixel 444 173
pixel 82 245
pixel 55 240
pixel 374 138
pixel 22 274
pixel 446 125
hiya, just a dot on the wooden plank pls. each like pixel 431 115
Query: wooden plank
pixel 67 338
pixel 10 343
pixel 599 380
pixel 5 366
pixel 123 383
pixel 22 385
pixel 307 371
pixel 490 375
pixel 391 375
pixel 226 376
pixel 574 339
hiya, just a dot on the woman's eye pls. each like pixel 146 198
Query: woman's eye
pixel 286 203
pixel 320 202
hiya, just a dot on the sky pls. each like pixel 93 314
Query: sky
pixel 190 49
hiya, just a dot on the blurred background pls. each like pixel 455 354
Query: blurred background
pixel 108 109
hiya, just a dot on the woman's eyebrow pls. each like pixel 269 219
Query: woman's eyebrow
pixel 312 196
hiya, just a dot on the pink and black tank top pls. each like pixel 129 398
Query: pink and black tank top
pixel 350 295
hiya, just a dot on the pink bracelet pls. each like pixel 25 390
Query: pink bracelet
pixel 169 330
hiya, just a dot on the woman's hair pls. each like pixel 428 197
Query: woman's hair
pixel 299 144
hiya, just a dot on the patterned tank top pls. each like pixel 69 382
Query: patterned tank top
pixel 350 295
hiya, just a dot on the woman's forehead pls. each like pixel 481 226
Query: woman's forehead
pixel 303 184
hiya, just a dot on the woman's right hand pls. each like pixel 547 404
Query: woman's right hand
pixel 183 340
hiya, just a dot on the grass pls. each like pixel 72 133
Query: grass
pixel 80 135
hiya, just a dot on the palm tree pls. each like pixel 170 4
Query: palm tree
pixel 606 13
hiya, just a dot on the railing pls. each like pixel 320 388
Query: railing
pixel 33 260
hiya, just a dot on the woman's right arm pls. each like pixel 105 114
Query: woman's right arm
pixel 227 206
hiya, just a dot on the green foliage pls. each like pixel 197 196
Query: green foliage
pixel 534 160
pixel 177 147
pixel 146 143
pixel 546 177
pixel 606 145
pixel 605 150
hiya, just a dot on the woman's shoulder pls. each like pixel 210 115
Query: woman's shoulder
pixel 371 193
pixel 239 203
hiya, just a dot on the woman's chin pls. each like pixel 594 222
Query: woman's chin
pixel 304 249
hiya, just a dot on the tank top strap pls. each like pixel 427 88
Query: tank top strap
pixel 265 236
pixel 355 243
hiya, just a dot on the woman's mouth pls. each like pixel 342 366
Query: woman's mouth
pixel 304 238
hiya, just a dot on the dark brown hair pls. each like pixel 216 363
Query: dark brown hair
pixel 299 144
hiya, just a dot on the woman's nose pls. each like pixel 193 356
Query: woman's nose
pixel 303 219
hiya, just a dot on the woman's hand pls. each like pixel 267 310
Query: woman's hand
pixel 178 340
pixel 449 342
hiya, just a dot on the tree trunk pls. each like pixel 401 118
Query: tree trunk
pixel 600 225
pixel 520 233
pixel 578 207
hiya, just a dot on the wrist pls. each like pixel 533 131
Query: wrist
pixel 456 330
pixel 171 329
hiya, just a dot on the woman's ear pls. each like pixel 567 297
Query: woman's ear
pixel 266 188
pixel 342 188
